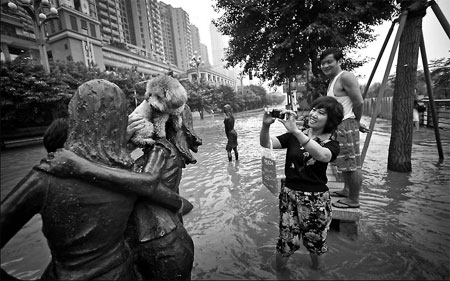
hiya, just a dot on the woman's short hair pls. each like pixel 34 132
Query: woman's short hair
pixel 334 109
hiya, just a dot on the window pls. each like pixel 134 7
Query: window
pixel 84 25
pixel 73 22
pixel 52 26
pixel 93 32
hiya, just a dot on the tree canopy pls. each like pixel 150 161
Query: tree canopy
pixel 25 87
pixel 277 39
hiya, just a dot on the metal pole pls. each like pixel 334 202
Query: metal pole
pixel 39 27
pixel 42 49
pixel 437 11
pixel 383 84
pixel 242 86
pixel 426 71
pixel 289 93
pixel 198 74
pixel 388 36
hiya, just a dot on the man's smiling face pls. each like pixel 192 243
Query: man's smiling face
pixel 330 66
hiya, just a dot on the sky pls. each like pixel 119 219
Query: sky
pixel 437 43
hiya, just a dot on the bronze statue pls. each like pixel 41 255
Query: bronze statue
pixel 85 221
pixel 162 248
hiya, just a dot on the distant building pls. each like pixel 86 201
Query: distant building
pixel 168 36
pixel 218 44
pixel 195 38
pixel 182 34
pixel 147 35
pixel 145 29
pixel 204 54
pixel 210 77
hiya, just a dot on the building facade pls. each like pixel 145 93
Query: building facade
pixel 182 37
pixel 147 35
pixel 210 76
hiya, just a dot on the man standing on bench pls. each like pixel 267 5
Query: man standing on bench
pixel 345 88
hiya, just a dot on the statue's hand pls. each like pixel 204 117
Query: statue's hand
pixel 135 123
pixel 62 163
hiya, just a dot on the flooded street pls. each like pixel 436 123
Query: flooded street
pixel 404 232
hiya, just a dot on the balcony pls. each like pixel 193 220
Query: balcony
pixel 104 14
pixel 102 6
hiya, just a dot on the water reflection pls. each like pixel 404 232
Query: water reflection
pixel 403 234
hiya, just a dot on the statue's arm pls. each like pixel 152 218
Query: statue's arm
pixel 24 201
pixel 65 163
pixel 141 184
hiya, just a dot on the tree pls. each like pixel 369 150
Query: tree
pixel 226 95
pixel 30 97
pixel 27 88
pixel 276 39
pixel 440 75
pixel 131 82
pixel 194 95
pixel 400 146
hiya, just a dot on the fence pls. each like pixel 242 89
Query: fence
pixel 442 107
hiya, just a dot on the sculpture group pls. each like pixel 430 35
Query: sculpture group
pixel 106 216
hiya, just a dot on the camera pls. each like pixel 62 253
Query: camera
pixel 277 113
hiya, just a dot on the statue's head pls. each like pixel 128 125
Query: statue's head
pixel 186 140
pixel 98 122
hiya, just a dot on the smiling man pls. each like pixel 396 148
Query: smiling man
pixel 345 88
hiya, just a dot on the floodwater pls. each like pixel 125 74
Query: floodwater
pixel 404 232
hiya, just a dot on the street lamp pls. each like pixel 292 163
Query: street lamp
pixel 195 62
pixel 241 77
pixel 40 11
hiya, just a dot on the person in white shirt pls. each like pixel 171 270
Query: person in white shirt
pixel 345 88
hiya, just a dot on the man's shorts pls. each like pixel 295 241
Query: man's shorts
pixel 349 158
pixel 303 215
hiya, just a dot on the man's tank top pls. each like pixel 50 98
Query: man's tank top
pixel 345 100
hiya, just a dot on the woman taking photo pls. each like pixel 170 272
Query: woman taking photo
pixel 305 203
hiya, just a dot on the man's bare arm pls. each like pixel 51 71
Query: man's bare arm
pixel 351 87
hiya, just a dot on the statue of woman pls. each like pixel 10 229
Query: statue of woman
pixel 84 221
pixel 163 249
pixel 161 246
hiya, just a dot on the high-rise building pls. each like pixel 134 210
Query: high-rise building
pixel 156 34
pixel 218 45
pixel 148 35
pixel 145 28
pixel 167 31
pixel 114 23
pixel 195 37
pixel 182 35
pixel 204 54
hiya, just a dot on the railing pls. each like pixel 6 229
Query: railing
pixel 442 107
pixel 442 112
